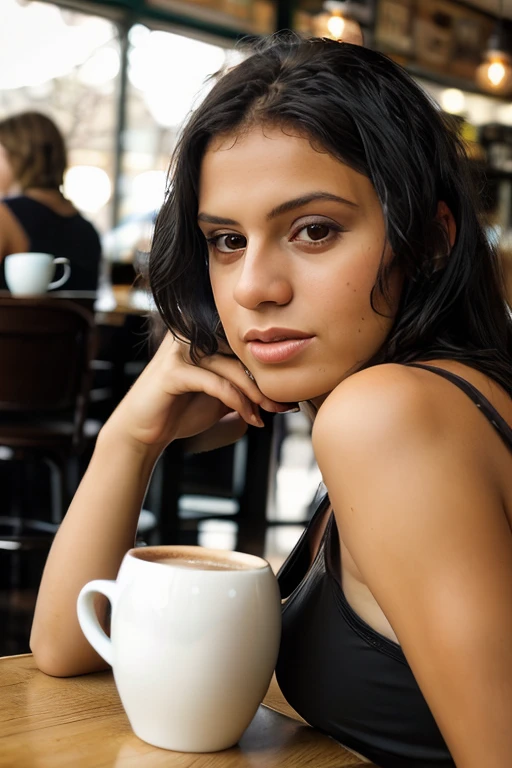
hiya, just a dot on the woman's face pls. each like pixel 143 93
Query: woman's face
pixel 295 241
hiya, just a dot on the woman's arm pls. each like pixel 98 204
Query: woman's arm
pixel 421 513
pixel 171 399
pixel 98 529
pixel 13 238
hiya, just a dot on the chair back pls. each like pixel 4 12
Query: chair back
pixel 46 348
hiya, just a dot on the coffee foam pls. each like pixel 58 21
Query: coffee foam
pixel 202 564
pixel 193 557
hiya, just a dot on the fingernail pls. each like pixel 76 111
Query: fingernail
pixel 256 421
pixel 288 408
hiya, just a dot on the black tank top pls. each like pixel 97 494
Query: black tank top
pixel 338 673
pixel 71 236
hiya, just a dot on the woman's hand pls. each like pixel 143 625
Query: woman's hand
pixel 174 398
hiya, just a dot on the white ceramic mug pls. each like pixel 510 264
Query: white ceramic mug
pixel 31 274
pixel 195 635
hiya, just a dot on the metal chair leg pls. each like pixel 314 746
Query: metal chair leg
pixel 57 489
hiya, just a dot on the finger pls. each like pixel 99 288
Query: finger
pixel 183 378
pixel 232 368
pixel 192 378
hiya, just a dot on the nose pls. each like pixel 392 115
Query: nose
pixel 264 277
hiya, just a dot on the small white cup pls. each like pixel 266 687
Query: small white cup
pixel 30 274
pixel 193 647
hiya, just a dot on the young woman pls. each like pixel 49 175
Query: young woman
pixel 319 244
pixel 34 214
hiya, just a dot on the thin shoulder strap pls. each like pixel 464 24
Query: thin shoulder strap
pixel 476 396
pixel 298 561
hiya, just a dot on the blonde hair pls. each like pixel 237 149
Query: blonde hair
pixel 36 150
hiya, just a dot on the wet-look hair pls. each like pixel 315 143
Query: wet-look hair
pixel 367 112
pixel 36 150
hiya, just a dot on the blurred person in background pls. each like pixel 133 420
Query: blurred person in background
pixel 34 214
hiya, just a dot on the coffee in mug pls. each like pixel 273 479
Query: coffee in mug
pixel 194 641
pixel 31 274
pixel 203 563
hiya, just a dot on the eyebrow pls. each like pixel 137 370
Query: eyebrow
pixel 289 205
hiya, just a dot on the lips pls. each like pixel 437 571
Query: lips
pixel 276 345
pixel 271 335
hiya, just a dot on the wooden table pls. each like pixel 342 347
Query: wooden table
pixel 78 722
pixel 125 300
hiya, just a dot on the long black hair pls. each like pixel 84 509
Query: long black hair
pixel 365 110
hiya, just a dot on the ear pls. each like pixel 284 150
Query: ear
pixel 445 217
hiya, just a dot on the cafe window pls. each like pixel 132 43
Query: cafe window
pixel 66 64
pixel 168 75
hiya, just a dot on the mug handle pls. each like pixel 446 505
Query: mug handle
pixel 65 276
pixel 88 618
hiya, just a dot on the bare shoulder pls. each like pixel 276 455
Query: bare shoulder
pixel 13 238
pixel 411 409
pixel 422 518
pixel 381 403
pixel 6 215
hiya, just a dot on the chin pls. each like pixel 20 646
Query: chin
pixel 296 390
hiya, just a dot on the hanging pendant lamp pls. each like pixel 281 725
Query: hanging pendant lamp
pixel 340 21
pixel 494 74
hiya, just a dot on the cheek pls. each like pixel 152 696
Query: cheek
pixel 346 290
pixel 354 327
pixel 218 293
pixel 225 307
pixel 216 287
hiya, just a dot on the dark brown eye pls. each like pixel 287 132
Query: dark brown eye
pixel 317 231
pixel 321 233
pixel 228 243
pixel 234 242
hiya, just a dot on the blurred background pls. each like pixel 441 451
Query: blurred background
pixel 119 77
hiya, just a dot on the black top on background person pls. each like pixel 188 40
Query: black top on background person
pixel 35 215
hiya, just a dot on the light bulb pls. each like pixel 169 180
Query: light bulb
pixel 336 25
pixel 496 73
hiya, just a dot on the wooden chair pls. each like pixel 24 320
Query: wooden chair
pixel 46 349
